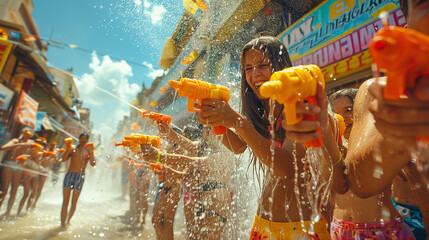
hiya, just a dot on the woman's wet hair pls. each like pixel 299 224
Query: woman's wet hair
pixel 252 107
pixel 346 92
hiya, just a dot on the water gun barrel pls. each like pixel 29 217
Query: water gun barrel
pixel 271 88
pixel 158 117
pixel 90 144
pixel 21 159
pixel 292 85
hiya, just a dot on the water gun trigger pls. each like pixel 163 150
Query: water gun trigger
pixel 292 117
pixel 319 141
pixel 191 105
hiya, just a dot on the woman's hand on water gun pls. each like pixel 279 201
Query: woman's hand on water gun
pixel 399 121
pixel 166 171
pixel 217 113
pixel 306 130
pixel 149 153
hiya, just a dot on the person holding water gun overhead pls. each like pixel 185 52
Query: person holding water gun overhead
pixel 260 59
pixel 391 114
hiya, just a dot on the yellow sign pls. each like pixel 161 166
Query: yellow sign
pixel 5 47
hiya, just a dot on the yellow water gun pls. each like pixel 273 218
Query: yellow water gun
pixel 199 90
pixel 341 127
pixel 134 141
pixel 292 85
pixel 89 145
pixel 68 142
pixel 404 55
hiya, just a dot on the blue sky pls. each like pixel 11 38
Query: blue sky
pixel 133 30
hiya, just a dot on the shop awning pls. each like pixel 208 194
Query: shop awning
pixel 44 89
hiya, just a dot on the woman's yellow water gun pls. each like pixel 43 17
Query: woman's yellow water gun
pixel 404 55
pixel 197 90
pixel 292 85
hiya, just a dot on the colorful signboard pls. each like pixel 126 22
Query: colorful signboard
pixel 336 34
pixel 6 96
pixel 26 110
pixel 5 47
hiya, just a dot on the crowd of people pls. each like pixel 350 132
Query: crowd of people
pixel 374 188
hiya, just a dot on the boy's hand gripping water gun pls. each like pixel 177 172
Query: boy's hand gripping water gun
pixel 158 117
pixel 292 85
pixel 199 90
pixel 341 127
pixel 404 55
pixel 134 141
pixel 68 142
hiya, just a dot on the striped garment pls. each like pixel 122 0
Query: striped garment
pixel 74 180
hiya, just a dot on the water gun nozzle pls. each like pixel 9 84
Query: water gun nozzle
pixel 174 84
pixel 381 44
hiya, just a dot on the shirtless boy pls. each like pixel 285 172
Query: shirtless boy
pixel 75 177
pixel 13 172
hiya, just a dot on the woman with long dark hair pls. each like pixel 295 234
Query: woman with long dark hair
pixel 278 213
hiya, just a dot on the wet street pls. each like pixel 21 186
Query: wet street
pixel 99 215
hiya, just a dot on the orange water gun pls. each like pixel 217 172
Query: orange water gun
pixel 89 145
pixel 341 127
pixel 404 55
pixel 21 159
pixel 68 142
pixel 134 141
pixel 199 90
pixel 158 117
pixel 292 85
pixel 156 167
pixel 36 146
pixel 61 150
pixel 49 153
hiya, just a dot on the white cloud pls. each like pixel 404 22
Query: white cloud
pixel 107 75
pixel 147 4
pixel 155 12
pixel 153 72
pixel 138 2
pixel 112 77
